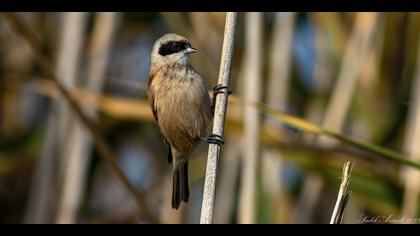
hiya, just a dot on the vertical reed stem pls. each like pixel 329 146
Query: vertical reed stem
pixel 209 193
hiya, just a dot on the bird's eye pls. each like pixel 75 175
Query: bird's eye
pixel 176 46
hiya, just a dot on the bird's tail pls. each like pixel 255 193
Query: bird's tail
pixel 180 191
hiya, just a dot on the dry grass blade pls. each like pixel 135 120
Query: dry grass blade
pixel 121 108
pixel 316 129
pixel 105 152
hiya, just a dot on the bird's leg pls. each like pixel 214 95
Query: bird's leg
pixel 217 90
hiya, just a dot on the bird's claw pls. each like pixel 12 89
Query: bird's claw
pixel 215 139
pixel 221 89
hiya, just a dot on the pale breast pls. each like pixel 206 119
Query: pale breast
pixel 183 107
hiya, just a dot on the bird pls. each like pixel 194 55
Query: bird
pixel 181 106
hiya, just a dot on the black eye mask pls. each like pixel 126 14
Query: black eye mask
pixel 172 47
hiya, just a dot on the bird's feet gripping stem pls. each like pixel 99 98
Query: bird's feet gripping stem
pixel 213 139
pixel 218 89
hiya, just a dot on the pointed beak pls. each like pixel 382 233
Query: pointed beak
pixel 190 50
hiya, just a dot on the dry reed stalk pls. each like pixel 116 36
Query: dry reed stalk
pixel 343 194
pixel 79 143
pixel 103 149
pixel 252 92
pixel 357 47
pixel 278 82
pixel 355 55
pixel 42 194
pixel 209 193
pixel 412 147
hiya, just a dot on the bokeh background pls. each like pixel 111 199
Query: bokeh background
pixel 353 73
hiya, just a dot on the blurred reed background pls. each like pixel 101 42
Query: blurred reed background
pixel 353 73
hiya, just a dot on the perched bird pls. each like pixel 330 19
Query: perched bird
pixel 181 106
